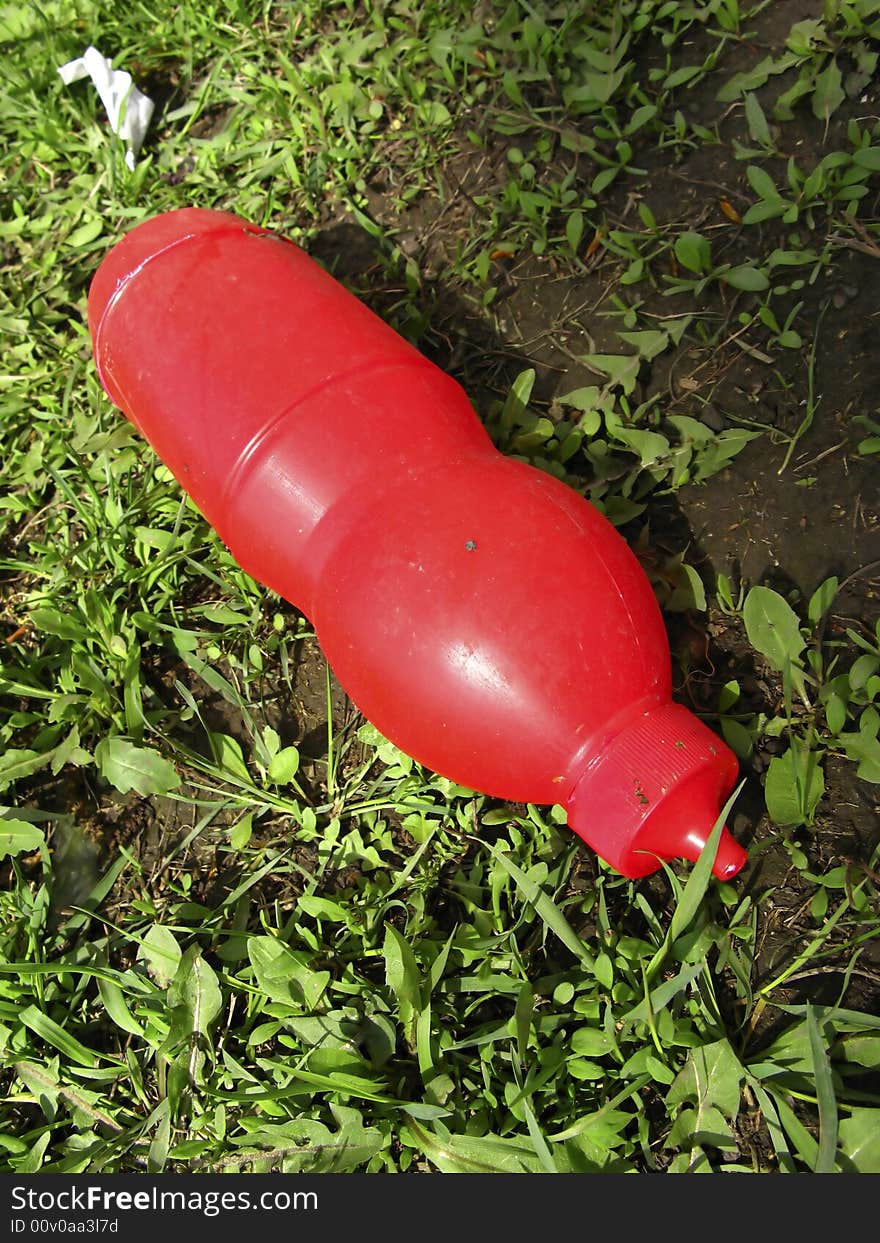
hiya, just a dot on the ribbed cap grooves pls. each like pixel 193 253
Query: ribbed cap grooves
pixel 664 763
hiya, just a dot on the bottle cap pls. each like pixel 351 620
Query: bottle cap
pixel 655 792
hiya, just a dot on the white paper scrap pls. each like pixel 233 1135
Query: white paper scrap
pixel 128 110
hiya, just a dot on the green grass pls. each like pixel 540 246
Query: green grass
pixel 324 957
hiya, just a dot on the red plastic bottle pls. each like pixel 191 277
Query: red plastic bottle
pixel 484 616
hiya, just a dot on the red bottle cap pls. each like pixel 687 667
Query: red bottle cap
pixel 655 792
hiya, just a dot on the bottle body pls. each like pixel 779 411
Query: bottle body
pixel 481 614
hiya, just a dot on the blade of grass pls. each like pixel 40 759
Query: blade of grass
pixel 695 888
pixel 825 1096
pixel 546 909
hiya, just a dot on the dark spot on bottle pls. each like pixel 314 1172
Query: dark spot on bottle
pixel 471 545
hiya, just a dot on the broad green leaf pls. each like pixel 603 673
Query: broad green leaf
pixel 740 740
pixel 33 1161
pixel 766 209
pixel 586 399
pixel 511 89
pixel 130 767
pixel 859 1139
pixel 864 748
pixel 310 1146
pixel 862 670
pixel 693 251
pixel 717 452
pixel 591 1042
pixel 330 1030
pixel 240 833
pixel 68 751
pixel 692 431
pixel 862 1049
pixel 752 78
pixel 756 121
pixel 822 599
pixel 696 1128
pixel 114 1002
pixel 50 621
pixel 194 996
pixel 712 1076
pixel 790 340
pixel 585 1070
pixel 517 399
pixel 41 1079
pixel 465 1154
pixel 868 157
pixel 649 447
pixel 794 785
pixel 229 756
pixel 805 36
pixel 835 713
pixel 772 627
pixel 762 183
pixel 745 277
pixel 621 369
pixel 323 908
pixel 783 108
pixel 402 976
pixel 648 343
pixel 284 766
pixel 17 764
pixel 689 593
pixel 678 77
pixel 161 954
pixel 607 1115
pixel 574 229
pixel 284 975
pixel 603 969
pixel 222 615
pixel 303 1145
pixel 86 233
pixel 828 93
pixel 18 837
